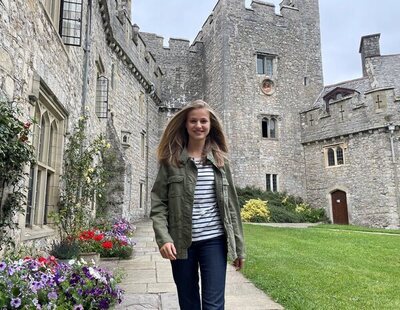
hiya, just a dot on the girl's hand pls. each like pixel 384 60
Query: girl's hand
pixel 168 251
pixel 238 263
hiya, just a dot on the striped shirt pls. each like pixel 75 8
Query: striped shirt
pixel 206 219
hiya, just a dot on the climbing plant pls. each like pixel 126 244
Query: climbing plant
pixel 15 154
pixel 82 182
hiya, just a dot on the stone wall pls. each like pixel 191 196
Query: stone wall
pixel 368 177
pixel 220 67
pixel 32 53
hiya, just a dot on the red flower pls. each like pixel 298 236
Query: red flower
pixel 42 260
pixel 86 235
pixel 98 237
pixel 27 125
pixel 107 244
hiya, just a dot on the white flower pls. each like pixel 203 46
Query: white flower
pixel 94 273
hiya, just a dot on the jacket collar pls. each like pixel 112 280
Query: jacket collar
pixel 184 157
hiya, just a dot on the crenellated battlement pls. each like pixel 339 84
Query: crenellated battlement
pixel 178 44
pixel 263 6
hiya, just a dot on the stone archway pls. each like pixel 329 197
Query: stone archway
pixel 339 207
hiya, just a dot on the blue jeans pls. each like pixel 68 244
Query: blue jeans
pixel 210 256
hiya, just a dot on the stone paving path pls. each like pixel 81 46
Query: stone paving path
pixel 148 282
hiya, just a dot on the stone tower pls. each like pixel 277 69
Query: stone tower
pixel 258 70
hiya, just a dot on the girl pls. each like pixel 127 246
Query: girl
pixel 194 207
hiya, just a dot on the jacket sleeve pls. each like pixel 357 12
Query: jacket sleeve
pixel 234 208
pixel 159 207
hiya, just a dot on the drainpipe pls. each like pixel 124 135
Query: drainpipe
pixel 85 76
pixel 392 128
pixel 149 94
pixel 86 50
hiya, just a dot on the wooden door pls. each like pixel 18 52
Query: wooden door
pixel 339 207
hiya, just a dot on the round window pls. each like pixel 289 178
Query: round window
pixel 268 86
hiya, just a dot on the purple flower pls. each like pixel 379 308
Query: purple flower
pixel 11 270
pixel 78 307
pixel 3 266
pixel 52 295
pixel 15 302
pixel 36 285
pixel 104 304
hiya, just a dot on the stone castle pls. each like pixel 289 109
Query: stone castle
pixel 336 146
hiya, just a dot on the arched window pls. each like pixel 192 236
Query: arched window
pixel 272 123
pixel 331 157
pixel 125 139
pixel 42 138
pixel 339 156
pixel 265 129
pixel 335 155
pixel 269 127
pixel 43 186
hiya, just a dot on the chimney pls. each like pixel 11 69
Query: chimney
pixel 369 47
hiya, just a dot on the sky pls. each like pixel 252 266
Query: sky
pixel 343 23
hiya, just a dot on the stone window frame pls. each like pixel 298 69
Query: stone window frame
pixel 266 122
pixel 126 138
pixel 53 9
pixel 271 182
pixel 272 59
pixel 44 175
pixel 334 155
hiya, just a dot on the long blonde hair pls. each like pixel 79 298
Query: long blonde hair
pixel 175 137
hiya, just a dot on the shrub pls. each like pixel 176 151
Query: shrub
pixel 255 210
pixel 283 208
pixel 65 249
pixel 283 215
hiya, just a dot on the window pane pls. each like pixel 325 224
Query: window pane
pixel 142 145
pixel 274 183
pixel 272 123
pixel 265 128
pixel 268 182
pixel 339 156
pixel 28 216
pixel 331 157
pixel 141 195
pixel 71 24
pixel 268 66
pixel 102 97
pixel 47 197
pixel 36 209
pixel 41 139
pixel 260 64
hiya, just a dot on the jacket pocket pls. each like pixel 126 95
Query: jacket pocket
pixel 175 186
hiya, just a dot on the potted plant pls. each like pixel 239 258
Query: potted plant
pixel 65 249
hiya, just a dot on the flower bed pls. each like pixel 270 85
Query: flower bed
pixel 110 240
pixel 44 283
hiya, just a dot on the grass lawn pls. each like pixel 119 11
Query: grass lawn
pixel 357 228
pixel 324 268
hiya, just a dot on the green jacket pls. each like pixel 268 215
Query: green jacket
pixel 172 204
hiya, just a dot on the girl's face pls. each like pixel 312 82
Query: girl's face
pixel 198 124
